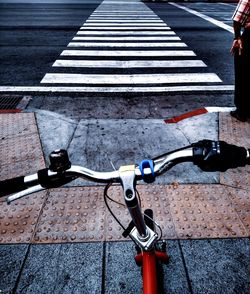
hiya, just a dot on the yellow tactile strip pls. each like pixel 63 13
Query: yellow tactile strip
pixel 20 148
pixel 235 132
pixel 79 214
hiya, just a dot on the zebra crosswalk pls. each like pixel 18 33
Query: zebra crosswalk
pixel 125 47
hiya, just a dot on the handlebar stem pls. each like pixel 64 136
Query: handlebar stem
pixel 127 176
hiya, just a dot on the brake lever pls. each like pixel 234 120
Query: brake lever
pixel 23 193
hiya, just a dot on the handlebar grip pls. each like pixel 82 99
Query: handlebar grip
pixel 219 155
pixel 235 155
pixel 11 186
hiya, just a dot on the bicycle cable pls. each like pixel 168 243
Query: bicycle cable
pixel 106 203
pixel 111 199
pixel 106 196
pixel 109 209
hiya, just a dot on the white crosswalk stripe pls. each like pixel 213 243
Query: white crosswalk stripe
pixel 106 21
pixel 129 63
pixel 123 18
pixel 128 24
pixel 125 47
pixel 124 44
pixel 130 79
pixel 128 33
pixel 126 38
pixel 128 53
pixel 125 28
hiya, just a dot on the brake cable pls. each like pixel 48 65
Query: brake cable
pixel 106 196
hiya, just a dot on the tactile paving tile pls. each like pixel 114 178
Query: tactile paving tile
pixel 20 168
pixel 20 154
pixel 20 148
pixel 72 215
pixel 18 124
pixel 183 211
pixel 204 211
pixel 19 219
pixel 241 202
pixel 235 132
pixel 79 214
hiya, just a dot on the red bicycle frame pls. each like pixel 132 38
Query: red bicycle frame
pixel 148 260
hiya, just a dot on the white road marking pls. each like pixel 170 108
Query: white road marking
pixel 147 21
pixel 123 25
pixel 44 89
pixel 64 78
pixel 227 4
pixel 121 14
pixel 119 53
pixel 118 28
pixel 125 22
pixel 129 17
pixel 136 44
pixel 101 28
pixel 125 33
pixel 121 3
pixel 219 109
pixel 129 63
pixel 136 38
pixel 207 18
pixel 123 11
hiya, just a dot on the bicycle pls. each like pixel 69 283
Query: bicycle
pixel 208 155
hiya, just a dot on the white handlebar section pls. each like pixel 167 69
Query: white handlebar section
pixel 161 165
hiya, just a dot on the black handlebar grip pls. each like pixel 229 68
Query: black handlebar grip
pixel 233 156
pixel 11 186
pixel 218 155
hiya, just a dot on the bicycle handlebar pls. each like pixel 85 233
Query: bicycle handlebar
pixel 208 155
pixel 47 178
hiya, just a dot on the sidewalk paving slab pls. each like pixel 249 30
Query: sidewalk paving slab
pixel 195 266
pixel 62 268
pixel 218 266
pixel 12 258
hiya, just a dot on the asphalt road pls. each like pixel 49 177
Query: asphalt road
pixel 33 35
pixel 210 42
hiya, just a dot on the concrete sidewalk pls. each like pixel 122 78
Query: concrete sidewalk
pixel 54 242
